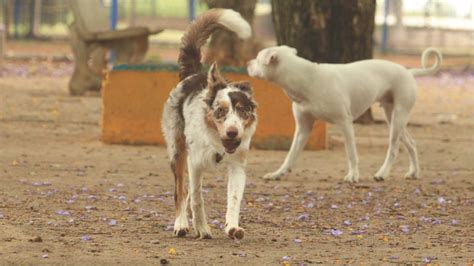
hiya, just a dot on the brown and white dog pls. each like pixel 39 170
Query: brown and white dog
pixel 207 122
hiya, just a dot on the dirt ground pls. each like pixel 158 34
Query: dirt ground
pixel 67 198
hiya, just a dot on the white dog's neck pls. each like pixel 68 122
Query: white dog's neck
pixel 295 70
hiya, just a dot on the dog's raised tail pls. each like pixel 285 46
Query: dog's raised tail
pixel 199 31
pixel 424 61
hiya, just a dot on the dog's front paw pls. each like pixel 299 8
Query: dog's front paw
pixel 180 228
pixel 278 175
pixel 203 232
pixel 180 232
pixel 351 178
pixel 236 233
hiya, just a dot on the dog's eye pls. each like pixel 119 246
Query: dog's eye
pixel 220 112
pixel 243 112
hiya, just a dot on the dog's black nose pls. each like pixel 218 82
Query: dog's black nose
pixel 232 133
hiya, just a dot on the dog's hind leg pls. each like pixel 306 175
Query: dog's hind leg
pixel 347 128
pixel 197 202
pixel 178 166
pixel 399 119
pixel 409 144
pixel 304 125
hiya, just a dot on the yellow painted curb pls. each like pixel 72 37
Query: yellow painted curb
pixel 133 103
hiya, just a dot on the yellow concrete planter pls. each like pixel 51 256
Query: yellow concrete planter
pixel 133 99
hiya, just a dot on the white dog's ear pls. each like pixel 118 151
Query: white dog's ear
pixel 270 58
pixel 293 50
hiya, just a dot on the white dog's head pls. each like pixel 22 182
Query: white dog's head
pixel 231 109
pixel 266 64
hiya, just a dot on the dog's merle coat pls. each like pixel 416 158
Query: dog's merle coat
pixel 208 121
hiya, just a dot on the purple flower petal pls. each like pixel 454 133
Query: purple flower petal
pixel 41 184
pixel 92 197
pixel 112 222
pixel 394 257
pixel 441 200
pixel 215 222
pixel 45 256
pixel 62 212
pixel 436 221
pixel 453 221
pixel 91 208
pixel 336 232
pixel 286 258
pixel 396 205
pixel 428 259
pixel 86 238
pixel 297 241
pixel 122 197
pixel 357 232
pixel 303 217
pixel 113 190
pixel 365 218
pixel 347 222
pixel 334 206
pixel 405 229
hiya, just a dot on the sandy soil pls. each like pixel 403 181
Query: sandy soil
pixel 66 198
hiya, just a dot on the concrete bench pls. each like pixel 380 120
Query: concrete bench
pixel 91 39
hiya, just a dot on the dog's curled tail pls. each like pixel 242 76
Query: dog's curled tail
pixel 198 32
pixel 424 61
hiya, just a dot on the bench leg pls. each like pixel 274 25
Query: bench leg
pixel 83 77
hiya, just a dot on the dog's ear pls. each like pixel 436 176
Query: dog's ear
pixel 214 76
pixel 215 82
pixel 270 58
pixel 243 86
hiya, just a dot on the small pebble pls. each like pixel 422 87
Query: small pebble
pixel 36 239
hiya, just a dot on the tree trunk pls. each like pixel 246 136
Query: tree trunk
pixel 225 47
pixel 327 31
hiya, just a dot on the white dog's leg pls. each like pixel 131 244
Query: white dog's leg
pixel 409 144
pixel 397 127
pixel 235 191
pixel 197 203
pixel 304 125
pixel 347 128
pixel 414 170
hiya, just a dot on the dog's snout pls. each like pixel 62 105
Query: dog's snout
pixel 232 133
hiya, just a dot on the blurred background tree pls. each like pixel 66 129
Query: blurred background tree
pixel 327 31
pixel 225 47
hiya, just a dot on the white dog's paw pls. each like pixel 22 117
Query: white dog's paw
pixel 181 227
pixel 379 178
pixel 203 231
pixel 236 233
pixel 352 178
pixel 278 175
pixel 381 175
pixel 412 175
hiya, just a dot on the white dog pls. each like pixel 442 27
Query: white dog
pixel 339 93
pixel 208 121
